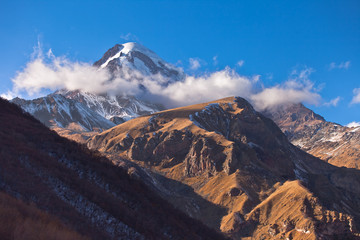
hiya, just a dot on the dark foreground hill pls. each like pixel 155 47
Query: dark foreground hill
pixel 76 190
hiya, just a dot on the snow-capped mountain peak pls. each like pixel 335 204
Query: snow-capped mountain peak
pixel 133 46
pixel 103 111
pixel 135 56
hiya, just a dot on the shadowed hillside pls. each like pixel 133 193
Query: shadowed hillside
pixel 82 189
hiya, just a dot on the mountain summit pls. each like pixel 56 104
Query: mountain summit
pixel 135 56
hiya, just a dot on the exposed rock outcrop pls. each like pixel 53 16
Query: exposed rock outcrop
pixel 236 158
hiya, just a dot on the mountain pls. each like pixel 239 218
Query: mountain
pixel 233 168
pixel 76 114
pixel 131 57
pixel 57 110
pixel 114 108
pixel 309 131
pixel 83 194
pixel 134 56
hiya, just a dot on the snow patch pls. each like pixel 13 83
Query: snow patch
pixel 353 125
pixel 335 137
pixel 355 129
pixel 109 59
pixel 191 117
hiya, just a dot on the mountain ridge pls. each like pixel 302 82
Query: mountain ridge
pixel 309 131
pixel 237 158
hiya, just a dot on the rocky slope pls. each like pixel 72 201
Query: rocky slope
pixel 78 115
pixel 55 110
pixel 309 131
pixel 255 183
pixel 81 189
pixel 114 108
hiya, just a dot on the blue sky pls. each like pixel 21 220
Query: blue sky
pixel 271 38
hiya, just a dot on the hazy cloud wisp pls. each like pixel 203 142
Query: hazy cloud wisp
pixel 342 65
pixel 356 98
pixel 333 102
pixel 194 63
pixel 240 63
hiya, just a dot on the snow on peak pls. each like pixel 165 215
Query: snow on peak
pixel 133 46
pixel 353 125
pixel 137 57
pixel 127 48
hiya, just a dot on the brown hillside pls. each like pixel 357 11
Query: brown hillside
pixel 239 160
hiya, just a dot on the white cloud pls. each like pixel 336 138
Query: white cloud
pixel 353 124
pixel 240 63
pixel 283 94
pixel 47 72
pixel 342 65
pixel 216 85
pixel 59 73
pixel 226 83
pixel 298 88
pixel 333 102
pixel 356 98
pixel 194 63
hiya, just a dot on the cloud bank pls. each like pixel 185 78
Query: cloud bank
pixel 48 72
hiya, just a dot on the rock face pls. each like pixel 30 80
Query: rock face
pixel 236 158
pixel 309 131
pixel 55 110
pixel 85 193
pixel 124 107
